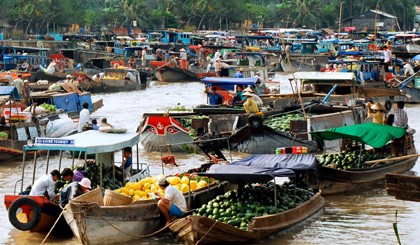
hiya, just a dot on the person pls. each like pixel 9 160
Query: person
pixel 70 86
pixel 254 96
pixel 218 68
pixel 104 123
pixel 128 161
pixel 379 115
pixel 387 58
pixel 167 56
pixel 83 116
pixel 183 62
pixel 51 67
pixel 250 105
pixel 67 174
pixel 239 73
pixel 159 54
pixel 239 97
pixel 18 83
pixel 45 185
pixel 210 67
pixel 408 70
pixel 400 116
pixel 173 203
pixel 26 91
pixel 331 56
pixel 144 57
pixel 225 54
pixel 130 76
pixel 9 77
pixel 74 190
pixel 95 124
pixel 173 62
pixel 24 66
pixel 260 87
pixel 214 97
pixel 97 77
pixel 217 54
pixel 131 62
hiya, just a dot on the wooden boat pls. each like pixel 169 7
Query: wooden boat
pixel 166 73
pixel 403 186
pixel 94 224
pixel 198 229
pixel 36 213
pixel 332 181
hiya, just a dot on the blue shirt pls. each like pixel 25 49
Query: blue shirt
pixel 128 163
pixel 215 99
pixel 241 95
pixel 238 75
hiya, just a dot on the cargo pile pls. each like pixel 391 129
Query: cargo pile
pixel 350 159
pixel 237 208
pixel 145 188
pixel 282 123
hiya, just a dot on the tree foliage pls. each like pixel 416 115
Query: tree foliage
pixel 38 16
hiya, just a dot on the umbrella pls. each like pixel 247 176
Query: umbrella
pixel 417 57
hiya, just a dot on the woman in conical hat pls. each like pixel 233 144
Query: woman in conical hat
pixel 378 115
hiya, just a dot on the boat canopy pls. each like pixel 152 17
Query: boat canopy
pixel 325 76
pixel 279 161
pixel 90 142
pixel 228 81
pixel 373 134
pixel 9 91
pixel 245 174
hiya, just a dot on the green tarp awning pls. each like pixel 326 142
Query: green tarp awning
pixel 373 134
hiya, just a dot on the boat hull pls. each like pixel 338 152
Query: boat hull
pixel 403 187
pixel 332 181
pixel 110 225
pixel 193 229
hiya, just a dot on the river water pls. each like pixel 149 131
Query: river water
pixel 362 217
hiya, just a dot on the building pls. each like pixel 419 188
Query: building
pixel 366 21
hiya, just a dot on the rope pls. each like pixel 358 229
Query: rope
pixel 55 223
pixel 198 242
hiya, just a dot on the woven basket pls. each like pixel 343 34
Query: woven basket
pixel 91 196
pixel 115 199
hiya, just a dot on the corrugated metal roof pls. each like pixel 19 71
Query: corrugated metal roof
pixel 325 76
pixel 383 13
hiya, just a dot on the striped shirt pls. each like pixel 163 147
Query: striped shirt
pixel 400 117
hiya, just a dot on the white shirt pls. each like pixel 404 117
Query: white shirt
pixel 45 183
pixel 183 55
pixel 131 76
pixel 176 197
pixel 143 54
pixel 209 66
pixel 83 118
pixel 387 56
pixel 216 55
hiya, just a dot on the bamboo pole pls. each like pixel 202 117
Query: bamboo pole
pixel 392 159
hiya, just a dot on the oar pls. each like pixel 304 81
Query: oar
pixel 392 159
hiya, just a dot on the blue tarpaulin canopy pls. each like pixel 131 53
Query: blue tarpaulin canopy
pixel 283 161
pixel 9 91
pixel 245 174
pixel 228 83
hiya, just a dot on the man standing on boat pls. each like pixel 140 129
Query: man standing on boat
pixel 9 77
pixel 18 83
pixel 143 57
pixel 184 60
pixel 84 116
pixel 26 92
pixel 46 185
pixel 173 203
pixel 218 68
pixel 400 116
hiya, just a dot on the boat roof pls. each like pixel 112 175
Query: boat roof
pixel 245 174
pixel 229 81
pixel 323 76
pixel 373 134
pixel 279 161
pixel 9 91
pixel 90 142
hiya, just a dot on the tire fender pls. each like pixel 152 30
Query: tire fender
pixel 31 206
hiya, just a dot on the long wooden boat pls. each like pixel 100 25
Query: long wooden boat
pixel 403 186
pixel 199 229
pixel 94 224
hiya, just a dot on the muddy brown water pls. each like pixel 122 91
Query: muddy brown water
pixel 361 217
